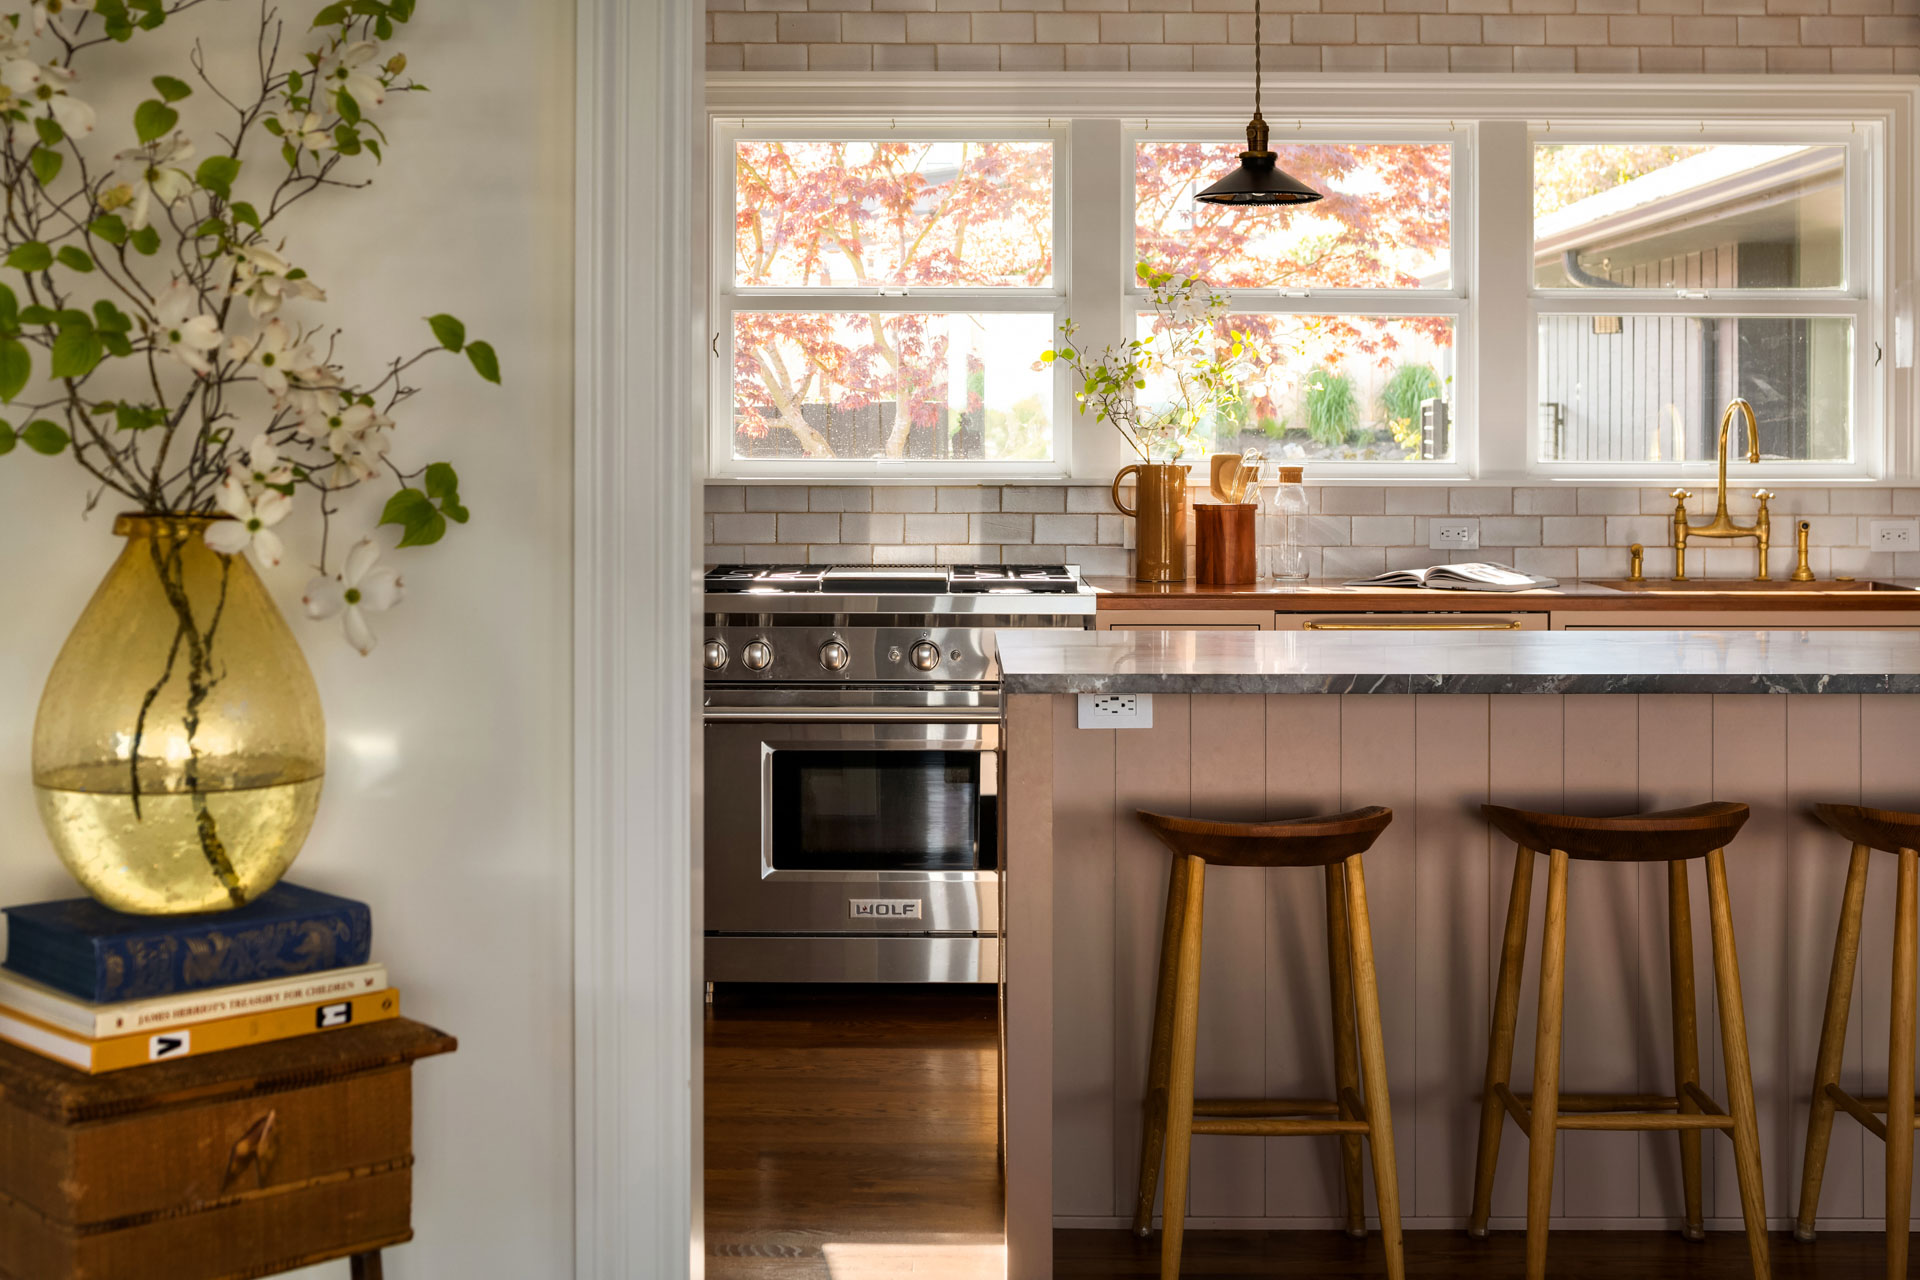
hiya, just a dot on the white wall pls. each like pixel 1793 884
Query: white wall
pixel 447 800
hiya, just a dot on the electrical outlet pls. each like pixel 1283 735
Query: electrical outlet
pixel 1116 711
pixel 1893 535
pixel 1454 535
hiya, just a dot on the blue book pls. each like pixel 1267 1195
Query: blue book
pixel 102 956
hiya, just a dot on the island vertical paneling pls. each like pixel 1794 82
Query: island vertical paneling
pixel 1438 884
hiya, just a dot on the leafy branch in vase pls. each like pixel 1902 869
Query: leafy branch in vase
pixel 157 314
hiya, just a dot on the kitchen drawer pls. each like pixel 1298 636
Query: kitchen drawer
pixel 1183 620
pixel 1436 621
pixel 1768 620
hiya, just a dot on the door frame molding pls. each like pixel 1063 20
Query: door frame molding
pixel 638 396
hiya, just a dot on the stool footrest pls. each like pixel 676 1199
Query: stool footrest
pixel 1267 1108
pixel 1867 1110
pixel 1276 1126
pixel 1634 1112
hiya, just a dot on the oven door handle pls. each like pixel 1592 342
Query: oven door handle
pixel 794 715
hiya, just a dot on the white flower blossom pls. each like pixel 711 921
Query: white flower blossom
pixel 254 516
pixel 274 355
pixel 348 70
pixel 362 585
pixel 263 466
pixel 160 178
pixel 185 332
pixel 261 277
pixel 44 10
pixel 302 129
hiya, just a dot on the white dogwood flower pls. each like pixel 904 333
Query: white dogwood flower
pixel 263 466
pixel 254 516
pixel 185 332
pixel 265 280
pixel 274 355
pixel 160 178
pixel 363 585
pixel 348 70
pixel 303 129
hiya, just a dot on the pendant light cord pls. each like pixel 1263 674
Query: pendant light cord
pixel 1256 57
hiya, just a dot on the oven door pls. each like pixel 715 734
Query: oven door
pixel 880 826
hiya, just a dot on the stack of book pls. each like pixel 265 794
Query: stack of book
pixel 101 990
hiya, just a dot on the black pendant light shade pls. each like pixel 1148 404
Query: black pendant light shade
pixel 1258 180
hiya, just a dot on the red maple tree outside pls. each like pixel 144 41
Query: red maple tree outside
pixel 869 216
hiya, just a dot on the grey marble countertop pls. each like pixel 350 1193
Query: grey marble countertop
pixel 1262 662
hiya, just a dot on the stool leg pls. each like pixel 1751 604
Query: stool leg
pixel 1543 1135
pixel 1506 1011
pixel 1906 925
pixel 1833 1041
pixel 1733 1051
pixel 1373 1070
pixel 1346 1066
pixel 1154 1135
pixel 366 1266
pixel 1186 1032
pixel 1686 1038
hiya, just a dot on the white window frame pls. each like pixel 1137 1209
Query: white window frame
pixel 1453 301
pixel 728 297
pixel 1492 120
pixel 1861 298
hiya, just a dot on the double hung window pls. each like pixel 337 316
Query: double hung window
pixel 883 298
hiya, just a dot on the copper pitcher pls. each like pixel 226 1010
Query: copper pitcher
pixel 1160 519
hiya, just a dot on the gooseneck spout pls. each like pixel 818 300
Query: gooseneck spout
pixel 1722 525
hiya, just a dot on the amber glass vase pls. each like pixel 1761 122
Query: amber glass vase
pixel 179 747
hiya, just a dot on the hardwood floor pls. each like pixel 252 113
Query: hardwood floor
pixel 1450 1255
pixel 853 1134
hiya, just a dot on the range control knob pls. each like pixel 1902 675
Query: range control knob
pixel 925 655
pixel 757 655
pixel 716 654
pixel 833 655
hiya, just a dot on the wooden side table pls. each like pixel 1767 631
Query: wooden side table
pixel 229 1167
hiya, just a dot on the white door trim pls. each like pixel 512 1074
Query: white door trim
pixel 638 400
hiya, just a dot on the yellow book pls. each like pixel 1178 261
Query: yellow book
pixel 115 1053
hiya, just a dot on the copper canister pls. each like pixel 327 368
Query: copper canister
pixel 1225 554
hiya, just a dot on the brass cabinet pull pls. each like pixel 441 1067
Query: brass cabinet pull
pixel 1511 624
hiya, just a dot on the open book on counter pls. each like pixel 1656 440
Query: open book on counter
pixel 1459 577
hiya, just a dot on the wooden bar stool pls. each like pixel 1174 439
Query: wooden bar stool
pixel 1897 833
pixel 1334 842
pixel 1673 836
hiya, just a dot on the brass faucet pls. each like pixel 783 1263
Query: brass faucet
pixel 1722 525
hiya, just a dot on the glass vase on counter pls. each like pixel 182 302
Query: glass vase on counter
pixel 1278 527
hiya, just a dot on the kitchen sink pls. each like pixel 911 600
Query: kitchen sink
pixel 1742 586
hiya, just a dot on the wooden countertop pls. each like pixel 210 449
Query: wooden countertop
pixel 1317 595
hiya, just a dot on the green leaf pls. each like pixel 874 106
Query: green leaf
pixel 146 241
pixel 349 109
pixel 74 258
pixel 244 212
pixel 75 352
pixel 331 15
pixel 152 119
pixel 46 437
pixel 109 227
pixel 117 344
pixel 375 148
pixel 16 366
pixel 34 313
pixel 30 256
pixel 346 139
pixel 171 89
pixel 216 174
pixel 485 363
pixel 108 318
pixel 442 482
pixel 383 27
pixel 421 524
pixel 7 437
pixel 49 130
pixel 448 329
pixel 9 311
pixel 455 512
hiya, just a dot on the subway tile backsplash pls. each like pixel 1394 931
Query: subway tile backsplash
pixel 1563 531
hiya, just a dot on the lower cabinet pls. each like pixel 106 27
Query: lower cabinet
pixel 1183 620
pixel 1745 620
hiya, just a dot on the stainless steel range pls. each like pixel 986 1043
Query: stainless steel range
pixel 853 766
